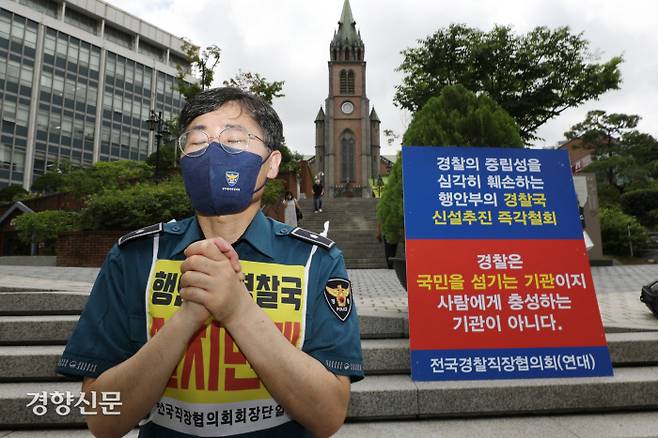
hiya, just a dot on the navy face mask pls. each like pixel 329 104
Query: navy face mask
pixel 219 182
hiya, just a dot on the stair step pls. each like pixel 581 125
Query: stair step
pixel 14 398
pixel 391 356
pixel 39 329
pixel 56 329
pixel 29 363
pixel 380 356
pixel 602 425
pixel 393 397
pixel 397 397
pixel 42 303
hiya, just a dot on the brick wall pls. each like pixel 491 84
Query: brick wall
pixel 85 248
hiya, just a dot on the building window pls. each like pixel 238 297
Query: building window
pixel 118 37
pixel 47 7
pixel 151 50
pixel 80 20
pixel 347 143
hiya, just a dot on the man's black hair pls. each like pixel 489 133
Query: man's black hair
pixel 209 100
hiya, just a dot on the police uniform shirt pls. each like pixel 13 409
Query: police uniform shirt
pixel 298 278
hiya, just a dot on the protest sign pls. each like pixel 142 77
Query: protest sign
pixel 497 272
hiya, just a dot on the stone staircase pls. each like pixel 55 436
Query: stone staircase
pixel 34 326
pixel 352 225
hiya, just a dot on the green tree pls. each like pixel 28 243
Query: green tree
pixel 135 206
pixel 50 182
pixel 44 226
pixel 168 159
pixel 624 159
pixel 108 175
pixel 534 77
pixel 201 64
pixel 456 117
pixel 256 84
pixel 615 229
pixel 12 193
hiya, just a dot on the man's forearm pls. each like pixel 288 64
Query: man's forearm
pixel 142 378
pixel 310 393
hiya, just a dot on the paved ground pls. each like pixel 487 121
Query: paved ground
pixel 378 290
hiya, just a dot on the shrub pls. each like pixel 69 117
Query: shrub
pixel 12 193
pixel 456 117
pixel 44 226
pixel 137 206
pixel 273 194
pixel 640 202
pixel 615 228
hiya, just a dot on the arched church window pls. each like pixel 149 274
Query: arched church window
pixel 347 142
pixel 350 81
pixel 343 82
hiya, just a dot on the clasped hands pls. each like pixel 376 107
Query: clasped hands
pixel 212 282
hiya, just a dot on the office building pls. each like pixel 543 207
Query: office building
pixel 77 81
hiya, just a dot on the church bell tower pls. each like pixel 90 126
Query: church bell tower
pixel 347 130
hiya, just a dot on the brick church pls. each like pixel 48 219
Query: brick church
pixel 347 148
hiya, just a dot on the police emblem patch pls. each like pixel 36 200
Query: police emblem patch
pixel 232 177
pixel 338 293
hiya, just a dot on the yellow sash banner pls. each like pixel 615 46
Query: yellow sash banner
pixel 213 371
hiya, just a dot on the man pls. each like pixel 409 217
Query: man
pixel 227 323
pixel 318 191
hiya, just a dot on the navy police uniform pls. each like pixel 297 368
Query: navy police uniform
pixel 298 278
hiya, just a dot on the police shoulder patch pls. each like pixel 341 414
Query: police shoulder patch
pixel 338 293
pixel 313 238
pixel 146 231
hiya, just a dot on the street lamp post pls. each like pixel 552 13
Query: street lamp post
pixel 156 124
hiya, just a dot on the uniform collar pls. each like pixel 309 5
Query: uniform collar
pixel 258 234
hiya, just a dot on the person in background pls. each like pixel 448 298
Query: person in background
pixel 291 209
pixel 318 191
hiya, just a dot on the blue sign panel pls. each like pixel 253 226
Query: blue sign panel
pixel 489 193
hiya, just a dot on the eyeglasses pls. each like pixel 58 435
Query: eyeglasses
pixel 233 139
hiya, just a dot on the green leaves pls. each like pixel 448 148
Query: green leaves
pixel 624 158
pixel 615 229
pixel 534 77
pixel 256 84
pixel 136 206
pixel 456 117
pixel 44 226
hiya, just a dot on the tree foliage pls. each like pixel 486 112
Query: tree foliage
pixel 615 229
pixel 12 193
pixel 44 226
pixel 136 206
pixel 624 159
pixel 256 84
pixel 201 64
pixel 642 204
pixel 456 117
pixel 534 77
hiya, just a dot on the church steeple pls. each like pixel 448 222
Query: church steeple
pixel 347 45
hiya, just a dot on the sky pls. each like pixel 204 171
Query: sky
pixel 289 40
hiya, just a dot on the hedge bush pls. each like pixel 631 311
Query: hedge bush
pixel 456 117
pixel 136 206
pixel 615 225
pixel 44 226
pixel 639 203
